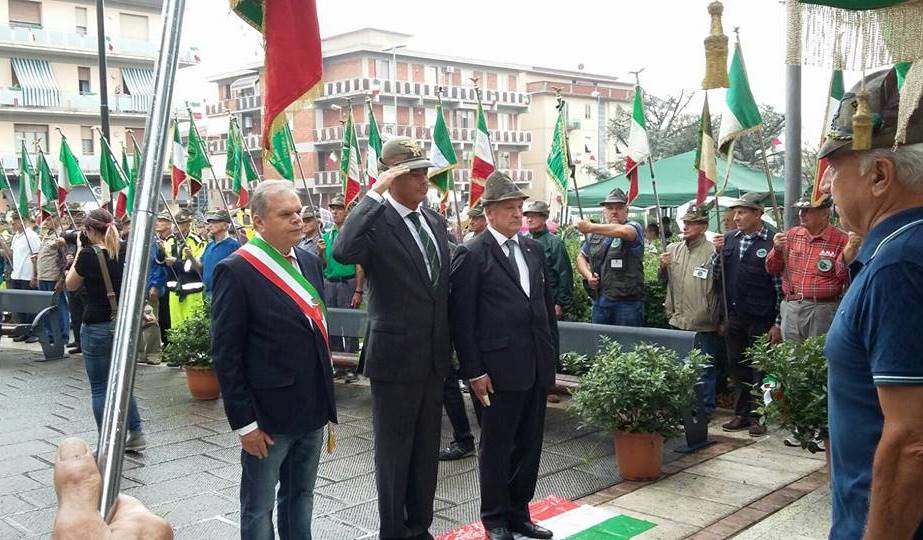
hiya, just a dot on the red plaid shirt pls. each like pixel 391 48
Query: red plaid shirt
pixel 813 267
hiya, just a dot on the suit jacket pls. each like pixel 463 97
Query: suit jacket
pixel 496 328
pixel 408 333
pixel 272 365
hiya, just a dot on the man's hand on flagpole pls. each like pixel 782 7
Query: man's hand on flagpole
pixel 387 177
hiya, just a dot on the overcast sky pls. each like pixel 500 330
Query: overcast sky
pixel 608 37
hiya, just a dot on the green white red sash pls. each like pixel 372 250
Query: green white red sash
pixel 280 272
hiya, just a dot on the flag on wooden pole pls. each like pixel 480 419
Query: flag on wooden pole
pixel 639 148
pixel 349 162
pixel 374 151
pixel 705 160
pixel 483 163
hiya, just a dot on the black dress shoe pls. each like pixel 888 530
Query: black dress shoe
pixel 74 350
pixel 500 533
pixel 455 451
pixel 31 339
pixel 18 339
pixel 531 530
pixel 72 344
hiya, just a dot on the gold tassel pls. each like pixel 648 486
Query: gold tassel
pixel 862 122
pixel 331 437
pixel 716 51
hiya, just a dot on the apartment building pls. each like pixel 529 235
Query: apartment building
pixel 49 76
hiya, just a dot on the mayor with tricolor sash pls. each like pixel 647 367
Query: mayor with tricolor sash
pixel 271 354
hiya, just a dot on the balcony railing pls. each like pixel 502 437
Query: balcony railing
pixel 54 40
pixel 463 136
pixel 238 104
pixel 89 164
pixel 78 103
pixel 385 87
pixel 220 145
pixel 522 178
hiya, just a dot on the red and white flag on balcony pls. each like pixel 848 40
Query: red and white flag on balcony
pixel 638 147
pixel 332 161
pixel 177 161
pixel 350 174
pixel 483 163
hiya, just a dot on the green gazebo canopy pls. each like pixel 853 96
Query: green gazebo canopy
pixel 677 182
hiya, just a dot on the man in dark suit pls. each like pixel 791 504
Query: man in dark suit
pixel 403 249
pixel 506 337
pixel 269 344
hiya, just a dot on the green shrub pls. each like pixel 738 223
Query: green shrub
pixel 579 309
pixel 795 384
pixel 655 292
pixel 190 341
pixel 645 390
pixel 576 364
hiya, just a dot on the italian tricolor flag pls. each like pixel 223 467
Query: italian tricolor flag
pixel 483 163
pixel 705 163
pixel 349 162
pixel 638 147
pixel 741 114
pixel 178 161
pixel 442 154
pixel 833 103
pixel 26 174
pixel 70 174
pixel 371 158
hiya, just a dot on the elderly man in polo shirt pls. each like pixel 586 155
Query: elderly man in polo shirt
pixel 873 348
pixel 219 247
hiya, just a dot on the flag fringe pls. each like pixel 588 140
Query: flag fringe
pixel 736 135
pixel 451 166
pixel 280 118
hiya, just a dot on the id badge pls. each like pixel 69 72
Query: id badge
pixel 615 263
pixel 700 272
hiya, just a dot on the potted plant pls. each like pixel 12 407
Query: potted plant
pixel 190 347
pixel 794 389
pixel 641 396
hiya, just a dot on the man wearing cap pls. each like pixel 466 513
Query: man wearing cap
pixel 477 223
pixel 692 301
pixel 313 241
pixel 343 283
pixel 24 253
pixel 163 228
pixel 873 347
pixel 52 266
pixel 611 261
pixel 753 296
pixel 403 248
pixel 218 248
pixel 185 281
pixel 559 267
pixel 812 259
pixel 505 332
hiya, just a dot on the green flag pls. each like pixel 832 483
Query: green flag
pixel 133 173
pixel 196 158
pixel 281 156
pixel 26 175
pixel 374 152
pixel 238 166
pixel 558 162
pixel 109 171
pixel 741 114
pixel 442 154
pixel 71 173
pixel 47 189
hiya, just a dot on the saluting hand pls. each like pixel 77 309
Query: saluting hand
pixel 481 388
pixel 256 443
pixel 384 181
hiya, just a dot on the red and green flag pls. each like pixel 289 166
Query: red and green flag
pixel 834 96
pixel 374 152
pixel 238 166
pixel 111 178
pixel 639 149
pixel 47 187
pixel 121 198
pixel 177 161
pixel 133 171
pixel 349 162
pixel 705 159
pixel 741 114
pixel 70 174
pixel 483 163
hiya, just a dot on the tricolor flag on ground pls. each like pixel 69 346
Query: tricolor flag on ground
pixel 705 162
pixel 483 163
pixel 287 26
pixel 558 161
pixel 238 166
pixel 47 188
pixel 177 161
pixel 442 154
pixel 70 174
pixel 196 158
pixel 26 174
pixel 741 114
pixel 281 155
pixel 349 162
pixel 639 148
pixel 111 179
pixel 374 151
pixel 833 103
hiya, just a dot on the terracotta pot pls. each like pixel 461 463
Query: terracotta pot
pixel 639 455
pixel 202 383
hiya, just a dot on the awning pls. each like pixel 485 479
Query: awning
pixel 139 84
pixel 39 88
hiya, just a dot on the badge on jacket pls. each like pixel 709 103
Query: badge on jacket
pixel 761 253
pixel 824 265
pixel 700 272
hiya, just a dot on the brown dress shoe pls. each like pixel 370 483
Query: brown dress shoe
pixel 739 423
pixel 757 429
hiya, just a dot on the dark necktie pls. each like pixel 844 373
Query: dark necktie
pixel 429 248
pixel 511 255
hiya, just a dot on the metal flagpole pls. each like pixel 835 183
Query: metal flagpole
pixel 134 284
pixel 88 184
pixel 103 70
pixel 243 144
pixel 224 198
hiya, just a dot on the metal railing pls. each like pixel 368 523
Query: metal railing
pixel 334 134
pixel 76 102
pixel 421 90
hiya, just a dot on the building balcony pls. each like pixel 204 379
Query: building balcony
pixel 43 42
pixel 522 178
pixel 332 136
pixel 125 106
pixel 385 88
pixel 219 145
pixel 89 164
pixel 235 105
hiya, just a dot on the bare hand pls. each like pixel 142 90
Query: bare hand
pixel 852 247
pixel 718 241
pixel 584 226
pixel 780 241
pixel 60 242
pixel 593 281
pixel 153 294
pixel 321 247
pixel 384 181
pixel 256 443
pixel 78 486
pixel 558 312
pixel 775 335
pixel 356 301
pixel 170 261
pixel 187 253
pixel 481 388
pixel 666 259
pixel 33 282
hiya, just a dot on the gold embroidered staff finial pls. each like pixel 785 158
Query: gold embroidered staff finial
pixel 716 51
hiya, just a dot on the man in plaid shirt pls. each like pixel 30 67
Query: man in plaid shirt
pixel 812 259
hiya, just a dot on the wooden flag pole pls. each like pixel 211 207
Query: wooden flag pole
pixel 562 107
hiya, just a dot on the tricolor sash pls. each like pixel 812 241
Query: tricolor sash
pixel 280 272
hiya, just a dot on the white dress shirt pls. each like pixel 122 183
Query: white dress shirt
pixel 520 258
pixel 24 246
pixel 404 212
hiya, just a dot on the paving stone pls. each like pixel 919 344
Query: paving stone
pixel 570 484
pixel 466 512
pixel 224 440
pixel 177 435
pixel 451 468
pixel 27 448
pixel 10 504
pixel 585 448
pixel 665 530
pixel 442 525
pixel 712 489
pixel 172 469
pixel 552 462
pixel 347 467
pixel 327 528
pixel 209 529
pixel 187 511
pixel 29 434
pixel 230 472
pixel 170 452
pixel 227 455
pixel 459 488
pixel 348 447
pixel 352 491
pixel 36 522
pixel 675 506
pixel 8 531
pixel 16 484
pixel 179 488
pixel 20 465
pixel 761 458
pixel 748 474
pixel 363 515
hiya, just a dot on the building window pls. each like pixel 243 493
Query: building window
pixel 429 117
pixel 503 160
pixel 464 119
pixel 25 14
pixel 382 69
pixel 133 26
pixel 83 80
pixel 86 140
pixel 503 121
pixel 389 114
pixel 588 111
pixel 81 20
pixel 29 133
pixel 431 75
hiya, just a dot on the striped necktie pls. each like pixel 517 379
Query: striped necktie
pixel 429 248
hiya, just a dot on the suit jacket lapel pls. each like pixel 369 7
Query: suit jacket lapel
pixel 410 245
pixel 442 243
pixel 503 260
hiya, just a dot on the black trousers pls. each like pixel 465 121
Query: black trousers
pixel 23 284
pixel 741 334
pixel 509 453
pixel 163 316
pixel 75 306
pixel 454 403
pixel 406 420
